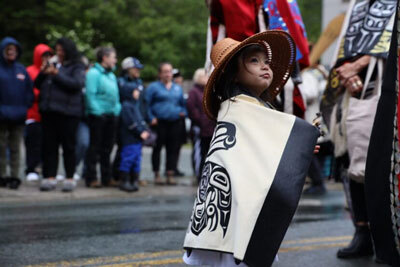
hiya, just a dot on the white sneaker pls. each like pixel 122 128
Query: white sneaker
pixel 32 176
pixel 60 177
pixel 68 185
pixel 48 184
pixel 76 177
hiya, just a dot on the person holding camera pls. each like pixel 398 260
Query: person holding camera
pixel 60 82
pixel 102 108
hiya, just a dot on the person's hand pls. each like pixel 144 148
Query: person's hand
pixel 348 70
pixel 144 135
pixel 316 149
pixel 354 85
pixel 51 69
pixel 44 66
pixel 154 122
pixel 181 114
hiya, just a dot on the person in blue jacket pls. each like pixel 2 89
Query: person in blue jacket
pixel 102 108
pixel 16 96
pixel 127 82
pixel 166 107
pixel 133 130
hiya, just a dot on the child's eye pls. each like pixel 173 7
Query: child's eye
pixel 254 60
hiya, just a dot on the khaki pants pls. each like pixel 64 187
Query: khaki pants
pixel 11 138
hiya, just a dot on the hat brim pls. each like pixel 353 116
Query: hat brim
pixel 283 58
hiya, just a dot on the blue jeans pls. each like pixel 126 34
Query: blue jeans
pixel 82 141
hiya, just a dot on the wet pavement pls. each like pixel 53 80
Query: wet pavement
pixel 107 227
pixel 149 230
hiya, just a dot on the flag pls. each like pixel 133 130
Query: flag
pixel 285 15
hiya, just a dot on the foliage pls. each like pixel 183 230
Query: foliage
pixel 134 27
pixel 152 30
pixel 311 13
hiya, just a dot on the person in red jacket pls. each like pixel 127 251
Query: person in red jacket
pixel 33 130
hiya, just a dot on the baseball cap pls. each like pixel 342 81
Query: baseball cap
pixel 131 62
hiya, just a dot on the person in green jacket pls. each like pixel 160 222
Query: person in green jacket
pixel 102 108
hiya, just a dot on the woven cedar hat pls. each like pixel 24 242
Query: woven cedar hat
pixel 281 50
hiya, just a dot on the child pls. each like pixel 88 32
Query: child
pixel 133 131
pixel 258 158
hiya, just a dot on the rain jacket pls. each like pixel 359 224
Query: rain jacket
pixel 132 123
pixel 16 93
pixel 62 93
pixel 102 94
pixel 33 71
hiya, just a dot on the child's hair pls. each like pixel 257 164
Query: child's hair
pixel 226 84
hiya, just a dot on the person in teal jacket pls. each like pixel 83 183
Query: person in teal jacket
pixel 102 109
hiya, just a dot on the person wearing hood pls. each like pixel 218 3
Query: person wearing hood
pixel 16 96
pixel 133 130
pixel 33 129
pixel 102 108
pixel 61 106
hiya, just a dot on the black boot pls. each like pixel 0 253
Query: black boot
pixel 360 246
pixel 14 182
pixel 135 181
pixel 3 182
pixel 125 184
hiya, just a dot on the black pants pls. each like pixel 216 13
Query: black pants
pixel 58 130
pixel 204 146
pixel 168 135
pixel 33 145
pixel 359 205
pixel 315 171
pixel 102 138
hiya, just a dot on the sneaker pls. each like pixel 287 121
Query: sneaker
pixel 76 177
pixel 32 176
pixel 68 185
pixel 48 184
pixel 178 173
pixel 60 177
pixel 94 184
pixel 142 183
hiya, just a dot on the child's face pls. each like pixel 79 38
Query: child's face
pixel 254 72
pixel 134 72
pixel 136 94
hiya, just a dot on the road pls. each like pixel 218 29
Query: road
pixel 107 227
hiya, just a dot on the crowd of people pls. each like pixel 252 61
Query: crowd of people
pixel 63 101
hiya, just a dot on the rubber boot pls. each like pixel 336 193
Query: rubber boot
pixel 125 183
pixel 360 246
pixel 135 181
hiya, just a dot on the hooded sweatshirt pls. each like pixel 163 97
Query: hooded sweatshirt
pixel 33 71
pixel 16 88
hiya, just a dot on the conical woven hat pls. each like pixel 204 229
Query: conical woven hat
pixel 282 51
